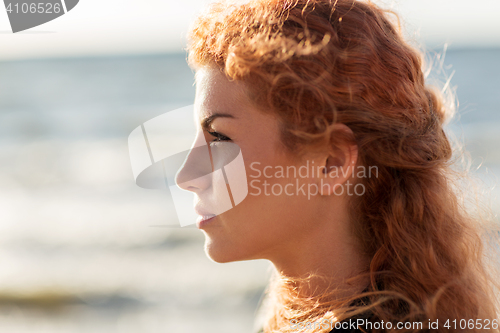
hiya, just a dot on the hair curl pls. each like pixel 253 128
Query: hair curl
pixel 315 63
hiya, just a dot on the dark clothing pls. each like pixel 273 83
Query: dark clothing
pixel 350 325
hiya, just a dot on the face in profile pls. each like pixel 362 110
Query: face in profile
pixel 341 79
pixel 274 219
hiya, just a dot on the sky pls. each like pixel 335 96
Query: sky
pixel 114 27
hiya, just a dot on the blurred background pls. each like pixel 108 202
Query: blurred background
pixel 82 249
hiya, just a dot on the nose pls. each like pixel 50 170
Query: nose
pixel 194 174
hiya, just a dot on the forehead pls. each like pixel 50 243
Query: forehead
pixel 216 93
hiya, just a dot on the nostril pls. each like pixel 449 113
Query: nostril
pixel 185 179
pixel 181 181
pixel 194 174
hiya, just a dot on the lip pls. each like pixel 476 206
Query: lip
pixel 204 217
pixel 204 220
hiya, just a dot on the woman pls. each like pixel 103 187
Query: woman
pixel 349 170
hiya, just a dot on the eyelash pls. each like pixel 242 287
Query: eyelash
pixel 218 137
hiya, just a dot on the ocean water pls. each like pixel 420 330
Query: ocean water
pixel 85 250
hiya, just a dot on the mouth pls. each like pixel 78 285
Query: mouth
pixel 204 217
pixel 203 220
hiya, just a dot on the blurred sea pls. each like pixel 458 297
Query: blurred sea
pixel 80 246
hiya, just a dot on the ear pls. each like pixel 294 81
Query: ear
pixel 339 163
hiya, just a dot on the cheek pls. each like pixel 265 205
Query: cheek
pixel 275 206
pixel 265 223
pixel 219 195
pixel 266 219
pixel 277 201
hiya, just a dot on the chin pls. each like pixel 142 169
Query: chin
pixel 218 253
pixel 222 253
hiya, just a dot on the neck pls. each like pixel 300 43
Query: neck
pixel 324 260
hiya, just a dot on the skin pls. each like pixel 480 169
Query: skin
pixel 299 235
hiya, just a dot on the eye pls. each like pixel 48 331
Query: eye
pixel 218 137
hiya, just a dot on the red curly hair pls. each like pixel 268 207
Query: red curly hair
pixel 315 63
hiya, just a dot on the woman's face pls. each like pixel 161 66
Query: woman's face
pixel 267 224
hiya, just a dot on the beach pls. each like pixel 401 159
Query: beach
pixel 83 249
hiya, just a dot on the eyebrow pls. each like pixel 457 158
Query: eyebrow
pixel 206 122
